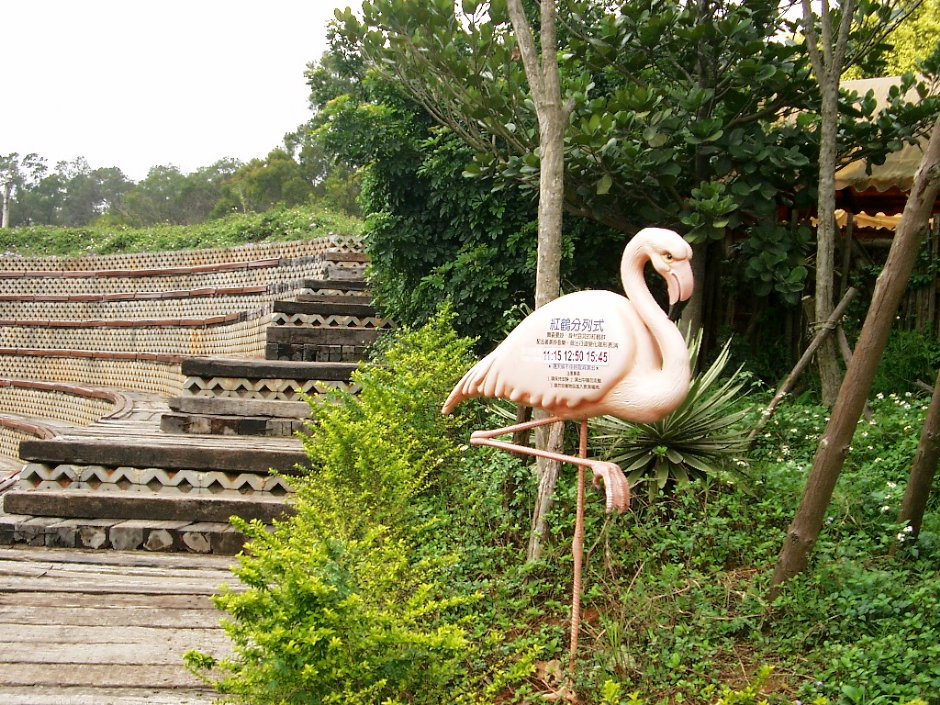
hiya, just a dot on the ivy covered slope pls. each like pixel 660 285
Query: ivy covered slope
pixel 239 229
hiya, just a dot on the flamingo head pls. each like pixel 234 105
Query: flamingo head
pixel 671 256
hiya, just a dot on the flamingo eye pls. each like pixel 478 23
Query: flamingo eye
pixel 667 256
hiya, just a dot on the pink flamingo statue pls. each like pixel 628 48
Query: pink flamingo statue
pixel 588 354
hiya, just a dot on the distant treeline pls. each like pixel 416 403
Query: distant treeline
pixel 73 194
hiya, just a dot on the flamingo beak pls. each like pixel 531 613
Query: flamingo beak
pixel 679 281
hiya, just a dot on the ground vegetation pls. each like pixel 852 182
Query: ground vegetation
pixel 231 231
pixel 427 575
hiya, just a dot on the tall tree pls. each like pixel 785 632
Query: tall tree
pixel 156 198
pixel 541 70
pixel 827 52
pixel 829 42
pixel 674 113
pixel 15 172
pixel 834 443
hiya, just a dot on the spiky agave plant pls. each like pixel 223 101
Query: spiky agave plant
pixel 700 438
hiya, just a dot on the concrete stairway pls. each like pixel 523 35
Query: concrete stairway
pixel 314 345
pixel 166 473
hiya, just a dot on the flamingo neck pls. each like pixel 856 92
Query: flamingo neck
pixel 671 344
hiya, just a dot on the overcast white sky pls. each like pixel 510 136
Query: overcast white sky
pixel 137 83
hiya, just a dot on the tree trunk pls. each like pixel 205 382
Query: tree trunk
pixel 830 374
pixel 7 194
pixel 545 84
pixel 547 474
pixel 827 54
pixel 834 444
pixel 923 468
pixel 694 311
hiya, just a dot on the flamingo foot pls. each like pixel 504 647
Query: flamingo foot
pixel 616 486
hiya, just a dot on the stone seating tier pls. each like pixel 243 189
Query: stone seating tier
pixel 147 261
pixel 231 396
pixel 127 482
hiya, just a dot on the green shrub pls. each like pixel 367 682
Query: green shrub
pixel 699 439
pixel 909 357
pixel 346 601
pixel 372 592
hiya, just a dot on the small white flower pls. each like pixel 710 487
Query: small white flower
pixel 885 509
pixel 464 448
pixel 908 529
pixel 891 485
pixel 901 537
pixel 879 396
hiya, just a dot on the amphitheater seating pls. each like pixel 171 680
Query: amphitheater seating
pixel 202 417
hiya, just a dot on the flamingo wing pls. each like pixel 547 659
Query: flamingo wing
pixel 566 354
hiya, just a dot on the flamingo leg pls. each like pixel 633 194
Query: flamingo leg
pixel 577 551
pixel 616 486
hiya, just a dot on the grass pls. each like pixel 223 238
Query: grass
pixel 239 229
pixel 674 599
pixel 674 596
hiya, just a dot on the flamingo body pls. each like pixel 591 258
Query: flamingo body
pixel 594 352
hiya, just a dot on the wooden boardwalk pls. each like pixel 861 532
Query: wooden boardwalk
pixel 106 627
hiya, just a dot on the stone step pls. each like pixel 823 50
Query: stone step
pixel 335 298
pixel 228 406
pixel 343 284
pixel 323 308
pixel 230 425
pixel 244 368
pixel 162 452
pixel 120 534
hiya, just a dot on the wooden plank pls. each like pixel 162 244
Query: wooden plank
pixel 92 587
pixel 45 599
pixel 322 336
pixel 82 503
pixel 49 640
pixel 266 369
pixel 228 406
pixel 324 309
pixel 39 612
pixel 70 571
pixel 341 284
pixel 172 453
pixel 117 652
pixel 98 676
pixel 94 696
pixel 176 561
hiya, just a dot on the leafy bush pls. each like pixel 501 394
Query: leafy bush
pixel 700 438
pixel 909 357
pixel 345 603
pixel 401 578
